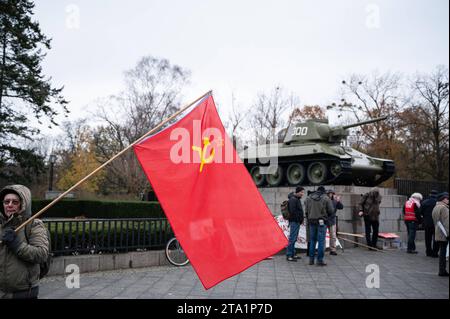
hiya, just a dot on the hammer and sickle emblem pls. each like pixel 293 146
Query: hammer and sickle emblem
pixel 202 153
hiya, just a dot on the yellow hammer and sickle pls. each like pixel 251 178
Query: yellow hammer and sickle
pixel 202 153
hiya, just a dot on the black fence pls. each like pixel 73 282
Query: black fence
pixel 93 236
pixel 406 187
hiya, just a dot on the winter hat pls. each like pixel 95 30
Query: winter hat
pixel 417 196
pixel 321 189
pixel 442 196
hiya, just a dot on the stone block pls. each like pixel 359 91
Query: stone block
pixel 281 195
pixel 107 262
pixel 393 226
pixel 346 227
pixel 122 261
pixel 398 200
pixel 56 267
pixel 393 213
pixel 86 263
pixel 162 259
pixel 345 214
pixel 397 225
pixel 386 201
pixel 273 209
pixel 144 259
pixel 269 197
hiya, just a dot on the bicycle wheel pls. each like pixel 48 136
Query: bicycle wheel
pixel 175 253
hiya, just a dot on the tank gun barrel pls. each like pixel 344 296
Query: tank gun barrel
pixel 365 122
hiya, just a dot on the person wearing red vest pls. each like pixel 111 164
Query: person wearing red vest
pixel 412 217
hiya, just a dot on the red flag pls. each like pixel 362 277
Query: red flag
pixel 210 200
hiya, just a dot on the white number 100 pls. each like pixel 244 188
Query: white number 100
pixel 300 131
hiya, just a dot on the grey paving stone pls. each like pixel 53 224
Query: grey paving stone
pixel 401 276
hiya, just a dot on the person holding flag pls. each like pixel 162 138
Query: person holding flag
pixel 20 254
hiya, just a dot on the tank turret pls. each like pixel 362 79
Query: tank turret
pixel 319 130
pixel 312 154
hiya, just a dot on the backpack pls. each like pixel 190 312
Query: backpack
pixel 44 266
pixel 285 209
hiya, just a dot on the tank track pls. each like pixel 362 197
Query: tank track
pixel 343 178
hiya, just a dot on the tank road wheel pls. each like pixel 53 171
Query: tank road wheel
pixel 335 168
pixel 258 178
pixel 317 173
pixel 295 174
pixel 276 177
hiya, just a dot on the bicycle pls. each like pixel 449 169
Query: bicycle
pixel 175 253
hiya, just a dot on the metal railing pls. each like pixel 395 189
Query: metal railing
pixel 407 187
pixel 93 236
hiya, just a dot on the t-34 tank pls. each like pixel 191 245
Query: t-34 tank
pixel 312 154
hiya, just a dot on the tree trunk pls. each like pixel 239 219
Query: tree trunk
pixel 2 74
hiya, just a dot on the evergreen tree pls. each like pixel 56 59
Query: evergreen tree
pixel 24 90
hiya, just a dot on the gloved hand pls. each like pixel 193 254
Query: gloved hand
pixel 10 239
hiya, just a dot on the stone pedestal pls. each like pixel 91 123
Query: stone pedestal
pixel 348 220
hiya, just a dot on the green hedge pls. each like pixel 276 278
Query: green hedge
pixel 98 209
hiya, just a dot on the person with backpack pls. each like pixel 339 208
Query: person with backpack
pixel 318 208
pixel 295 219
pixel 22 253
pixel 412 217
pixel 369 208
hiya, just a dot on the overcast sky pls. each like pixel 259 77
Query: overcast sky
pixel 244 47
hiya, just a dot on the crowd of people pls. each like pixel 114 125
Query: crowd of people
pixel 320 209
pixel 320 212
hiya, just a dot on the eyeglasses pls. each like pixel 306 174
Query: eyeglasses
pixel 13 201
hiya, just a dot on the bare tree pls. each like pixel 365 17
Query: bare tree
pixel 433 104
pixel 374 96
pixel 152 93
pixel 235 121
pixel 268 113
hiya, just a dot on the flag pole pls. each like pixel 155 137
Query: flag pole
pixel 354 242
pixel 110 160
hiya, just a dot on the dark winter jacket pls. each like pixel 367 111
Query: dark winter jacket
pixel 318 206
pixel 295 209
pixel 19 271
pixel 426 210
pixel 370 204
pixel 336 205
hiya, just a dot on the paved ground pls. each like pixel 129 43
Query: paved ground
pixel 401 276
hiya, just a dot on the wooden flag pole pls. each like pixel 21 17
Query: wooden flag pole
pixel 110 160
pixel 354 242
pixel 349 234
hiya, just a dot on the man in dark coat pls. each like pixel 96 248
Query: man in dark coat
pixel 369 208
pixel 295 220
pixel 318 209
pixel 432 247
